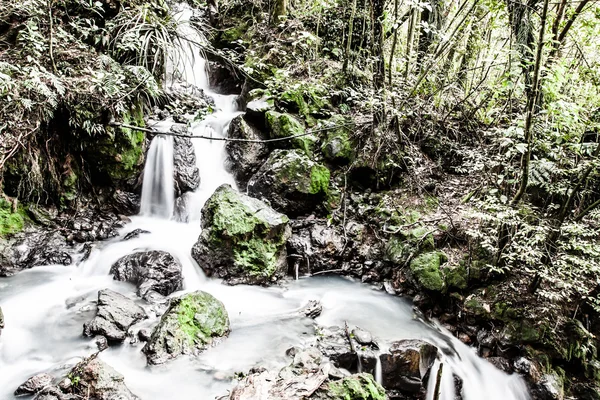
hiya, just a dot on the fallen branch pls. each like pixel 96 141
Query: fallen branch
pixel 308 132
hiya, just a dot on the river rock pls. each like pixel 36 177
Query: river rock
pixel 316 247
pixel 256 110
pixel 185 172
pixel 242 240
pixel 191 324
pixel 154 270
pixel 99 381
pixel 134 234
pixel 116 314
pixel 244 158
pixel 291 182
pixel 31 249
pixel 334 343
pixel 126 203
pixel 34 385
pixel 406 363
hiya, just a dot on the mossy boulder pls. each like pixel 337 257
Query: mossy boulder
pixel 243 239
pixel 426 270
pixel 292 182
pixel 408 244
pixel 191 324
pixel 284 125
pixel 337 147
pixel 355 387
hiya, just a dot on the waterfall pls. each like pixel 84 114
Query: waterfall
pixel 158 197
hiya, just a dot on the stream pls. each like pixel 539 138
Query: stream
pixel 46 307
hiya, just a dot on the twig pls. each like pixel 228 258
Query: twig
pixel 438 382
pixel 349 337
pixel 328 271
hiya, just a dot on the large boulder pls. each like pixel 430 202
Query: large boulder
pixel 426 271
pixel 152 271
pixel 116 314
pixel 242 240
pixel 191 324
pixel 94 379
pixel 406 364
pixel 244 158
pixel 186 174
pixel 292 182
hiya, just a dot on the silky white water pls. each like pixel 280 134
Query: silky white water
pixel 45 307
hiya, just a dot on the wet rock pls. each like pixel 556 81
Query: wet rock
pixel 31 249
pixel 116 314
pixel 242 240
pixel 334 343
pixel 191 324
pixel 312 310
pixel 550 387
pixel 244 158
pixel 134 234
pixel 182 207
pixel 256 110
pixel 152 270
pixel 101 343
pixel 407 244
pixel 98 380
pixel 291 182
pixel 501 363
pixel 34 385
pixel 1 320
pixel 186 174
pixel 337 147
pixel 361 336
pixel 316 247
pixel 406 363
pixel 90 225
pixel 126 203
pixel 144 334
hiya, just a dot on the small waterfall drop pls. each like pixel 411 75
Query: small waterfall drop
pixel 378 373
pixel 158 197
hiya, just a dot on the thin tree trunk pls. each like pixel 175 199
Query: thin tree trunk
pixel 390 67
pixel 531 102
pixel 378 8
pixel 350 33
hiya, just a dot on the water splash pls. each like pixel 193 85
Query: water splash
pixel 158 198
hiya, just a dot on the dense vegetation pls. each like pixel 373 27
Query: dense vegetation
pixel 477 121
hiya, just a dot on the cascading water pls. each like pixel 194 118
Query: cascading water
pixel 158 198
pixel 45 307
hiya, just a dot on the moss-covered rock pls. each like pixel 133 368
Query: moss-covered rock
pixel 354 387
pixel 426 270
pixel 292 182
pixel 192 323
pixel 11 222
pixel 243 239
pixel 408 244
pixel 337 147
pixel 284 125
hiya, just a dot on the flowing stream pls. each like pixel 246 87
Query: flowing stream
pixel 45 307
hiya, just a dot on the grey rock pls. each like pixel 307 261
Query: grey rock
pixel 99 381
pixel 144 334
pixel 292 182
pixel 333 342
pixel 116 314
pixel 361 336
pixel 317 247
pixel 186 173
pixel 406 363
pixel 1 319
pixel 101 343
pixel 134 234
pixel 312 309
pixel 126 203
pixel 244 158
pixel 34 385
pixel 152 270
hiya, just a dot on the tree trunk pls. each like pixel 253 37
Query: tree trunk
pixel 378 8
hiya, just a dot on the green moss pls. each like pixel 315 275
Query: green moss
pixel 319 179
pixel 11 222
pixel 426 270
pixel 258 257
pixel 234 33
pixel 477 307
pixel 356 387
pixel 200 317
pixel 337 146
pixel 305 100
pixel 456 277
pixel 409 244
pixel 284 125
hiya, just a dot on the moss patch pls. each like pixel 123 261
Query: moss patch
pixel 426 270
pixel 284 125
pixel 11 222
pixel 355 387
